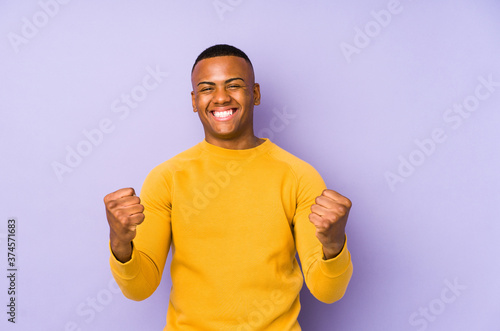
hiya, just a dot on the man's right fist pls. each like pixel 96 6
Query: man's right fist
pixel 124 212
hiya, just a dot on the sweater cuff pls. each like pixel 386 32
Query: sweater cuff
pixel 127 270
pixel 336 266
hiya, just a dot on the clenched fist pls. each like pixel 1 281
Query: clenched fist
pixel 124 212
pixel 329 216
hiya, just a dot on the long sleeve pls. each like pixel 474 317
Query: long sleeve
pixel 140 276
pixel 235 219
pixel 326 279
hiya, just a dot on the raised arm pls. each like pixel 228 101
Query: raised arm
pixel 140 235
pixel 319 225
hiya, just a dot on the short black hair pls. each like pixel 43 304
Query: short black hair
pixel 221 50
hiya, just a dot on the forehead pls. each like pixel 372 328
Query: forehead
pixel 221 68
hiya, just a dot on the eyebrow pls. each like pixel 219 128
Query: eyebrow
pixel 226 82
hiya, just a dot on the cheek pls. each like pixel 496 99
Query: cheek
pixel 243 98
pixel 201 100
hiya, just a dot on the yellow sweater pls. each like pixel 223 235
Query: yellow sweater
pixel 235 219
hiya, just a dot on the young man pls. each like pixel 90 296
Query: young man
pixel 236 209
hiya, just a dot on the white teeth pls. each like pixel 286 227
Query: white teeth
pixel 223 113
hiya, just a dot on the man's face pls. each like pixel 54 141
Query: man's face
pixel 224 94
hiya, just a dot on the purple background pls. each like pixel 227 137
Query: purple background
pixel 65 65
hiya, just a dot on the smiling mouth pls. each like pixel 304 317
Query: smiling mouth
pixel 223 115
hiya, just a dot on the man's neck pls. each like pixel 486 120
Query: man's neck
pixel 245 143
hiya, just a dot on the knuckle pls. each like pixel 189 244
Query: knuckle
pixel 111 204
pixel 348 203
pixel 122 216
pixel 333 217
pixel 341 209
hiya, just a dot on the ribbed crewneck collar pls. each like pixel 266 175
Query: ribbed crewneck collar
pixel 236 153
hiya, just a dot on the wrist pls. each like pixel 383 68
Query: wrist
pixel 331 251
pixel 121 250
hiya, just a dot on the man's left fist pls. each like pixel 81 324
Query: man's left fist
pixel 329 216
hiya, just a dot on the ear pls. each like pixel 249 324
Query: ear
pixel 256 94
pixel 193 101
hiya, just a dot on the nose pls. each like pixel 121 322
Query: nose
pixel 221 96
